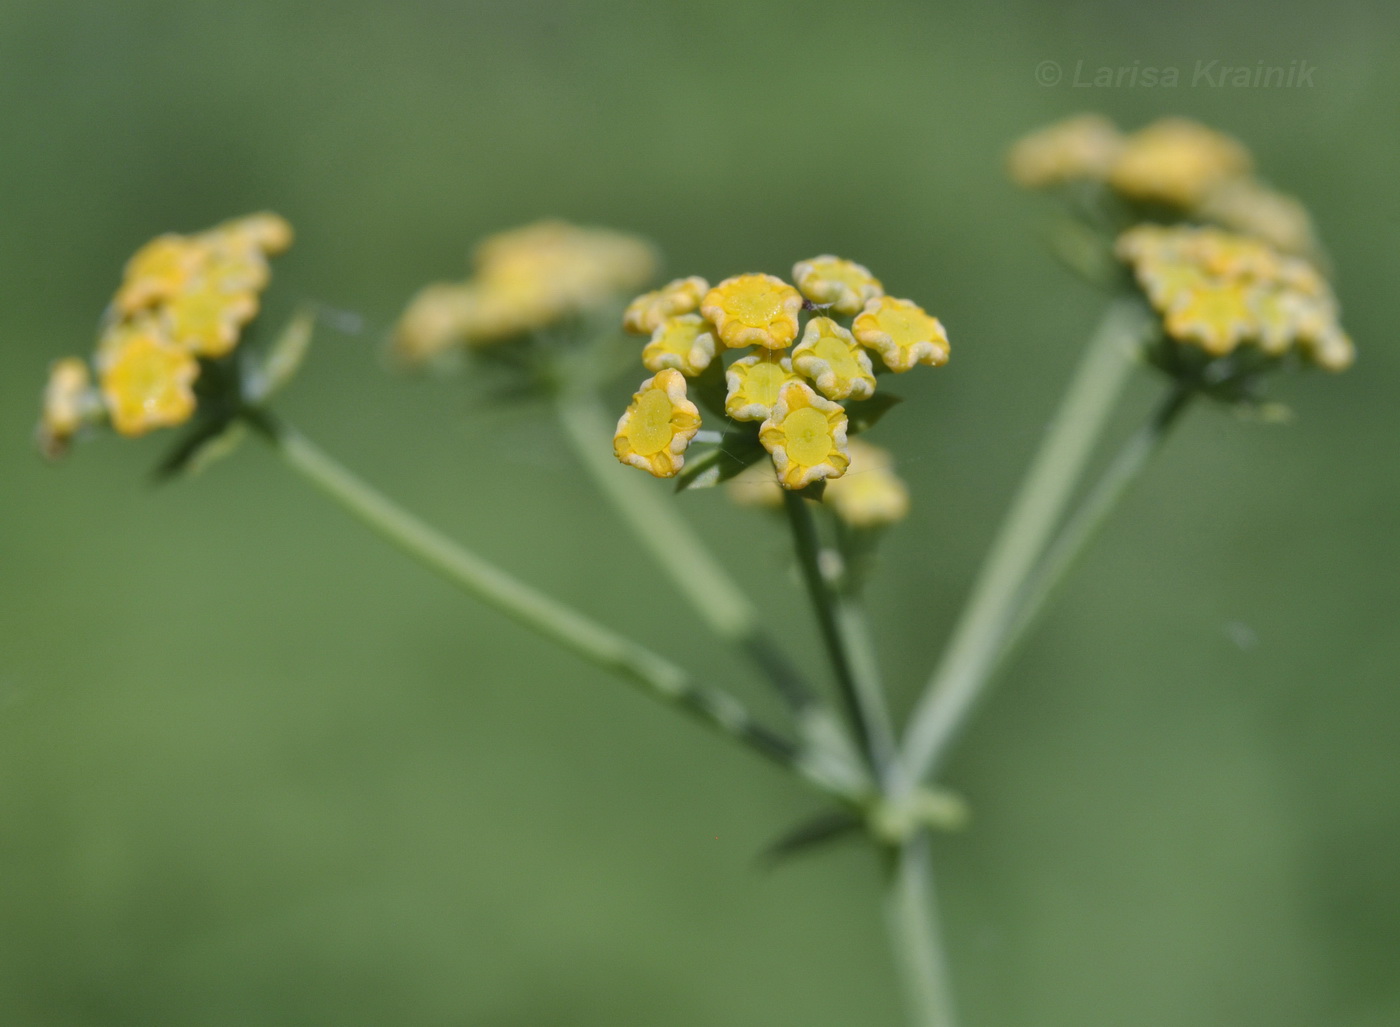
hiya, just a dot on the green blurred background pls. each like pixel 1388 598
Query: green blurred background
pixel 257 769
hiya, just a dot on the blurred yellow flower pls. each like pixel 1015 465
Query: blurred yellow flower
pixel 842 285
pixel 1217 317
pixel 806 436
pixel 754 383
pixel 1250 207
pixel 526 279
pixel 870 494
pixel 656 428
pixel 207 321
pixel 756 486
pixel 158 271
pixel 1330 349
pixel 685 342
pixel 435 320
pixel 1082 147
pixel 902 333
pixel 1176 161
pixel 646 313
pixel 148 381
pixel 830 356
pixel 570 267
pixel 68 401
pixel 267 232
pixel 753 310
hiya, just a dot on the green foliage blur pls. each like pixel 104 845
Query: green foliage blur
pixel 255 768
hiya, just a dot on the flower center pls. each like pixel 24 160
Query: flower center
pixel 650 428
pixel 903 325
pixel 763 382
pixel 838 354
pixel 808 436
pixel 757 306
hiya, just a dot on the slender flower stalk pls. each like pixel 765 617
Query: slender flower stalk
pixel 912 919
pixel 1037 509
pixel 1089 517
pixel 556 621
pixel 854 693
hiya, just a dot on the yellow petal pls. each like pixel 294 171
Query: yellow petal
pixel 657 426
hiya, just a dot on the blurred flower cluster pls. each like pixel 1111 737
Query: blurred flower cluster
pixel 1172 169
pixel 811 346
pixel 522 281
pixel 871 494
pixel 183 303
pixel 1216 292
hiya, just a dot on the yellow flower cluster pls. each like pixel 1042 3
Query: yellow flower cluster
pixel 1174 163
pixel 1216 291
pixel 183 299
pixel 524 280
pixel 792 387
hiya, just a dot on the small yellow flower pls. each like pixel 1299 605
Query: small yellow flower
pixel 68 401
pixel 1166 281
pixel 830 356
pixel 902 333
pixel 806 436
pixel 646 313
pixel 158 271
pixel 1331 349
pixel 1275 314
pixel 843 285
pixel 570 268
pixel 756 486
pixel 656 428
pixel 1082 147
pixel 753 310
pixel 1217 317
pixel 870 494
pixel 208 321
pixel 267 232
pixel 685 342
pixel 434 321
pixel 1232 256
pixel 148 382
pixel 1177 162
pixel 754 383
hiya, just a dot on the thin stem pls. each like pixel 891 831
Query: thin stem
pixel 853 625
pixel 1079 530
pixel 1038 507
pixel 1086 521
pixel 851 688
pixel 912 921
pixel 552 619
pixel 675 546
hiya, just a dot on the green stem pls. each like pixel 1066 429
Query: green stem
pixel 1086 521
pixel 851 686
pixel 1061 555
pixel 561 624
pixel 674 545
pixel 1038 507
pixel 912 921
pixel 853 625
